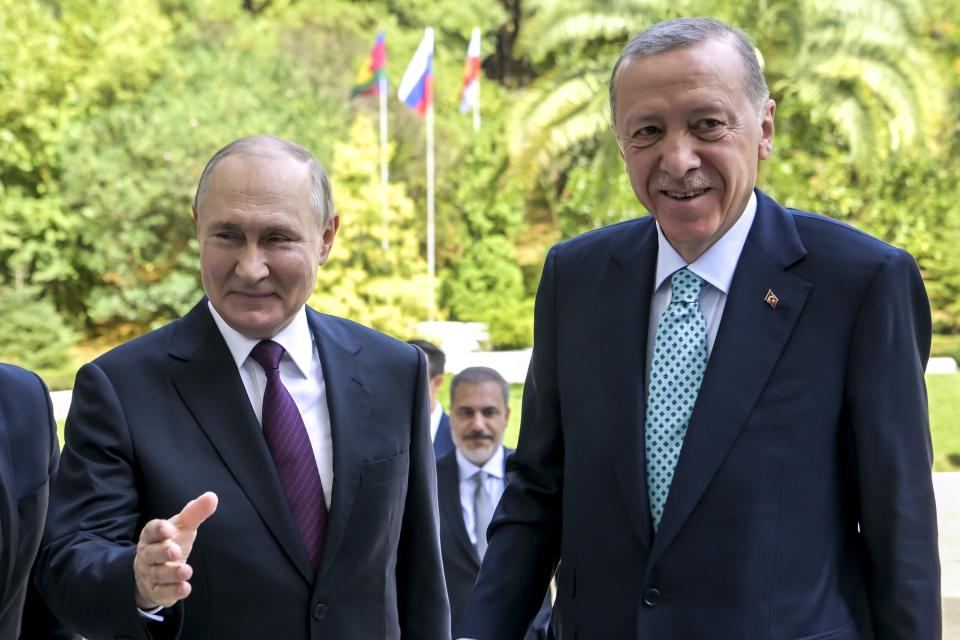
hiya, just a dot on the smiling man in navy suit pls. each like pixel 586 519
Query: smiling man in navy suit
pixel 724 431
pixel 254 469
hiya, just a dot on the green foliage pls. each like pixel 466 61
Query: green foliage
pixel 375 274
pixel 108 112
pixel 32 334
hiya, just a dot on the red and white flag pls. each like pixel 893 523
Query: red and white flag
pixel 470 91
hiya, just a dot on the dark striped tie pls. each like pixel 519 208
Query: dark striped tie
pixel 290 447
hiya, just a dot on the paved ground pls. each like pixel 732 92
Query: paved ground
pixel 947 486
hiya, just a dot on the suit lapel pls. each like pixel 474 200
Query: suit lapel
pixel 448 494
pixel 207 380
pixel 624 300
pixel 749 342
pixel 348 400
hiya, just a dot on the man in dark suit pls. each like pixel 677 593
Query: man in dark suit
pixel 254 469
pixel 29 453
pixel 470 480
pixel 724 432
pixel 439 420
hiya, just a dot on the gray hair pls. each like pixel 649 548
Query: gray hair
pixel 479 375
pixel 262 146
pixel 687 32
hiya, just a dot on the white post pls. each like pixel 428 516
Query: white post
pixel 476 109
pixel 431 254
pixel 384 167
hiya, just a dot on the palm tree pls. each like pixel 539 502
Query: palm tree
pixel 857 66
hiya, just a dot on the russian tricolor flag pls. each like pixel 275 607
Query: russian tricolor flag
pixel 416 87
pixel 470 91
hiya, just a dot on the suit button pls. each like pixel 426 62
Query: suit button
pixel 652 597
pixel 320 611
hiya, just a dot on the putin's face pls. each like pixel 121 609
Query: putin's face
pixel 261 243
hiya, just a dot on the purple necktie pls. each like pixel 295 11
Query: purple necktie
pixel 292 454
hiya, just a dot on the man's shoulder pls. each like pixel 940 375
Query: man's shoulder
pixel 832 238
pixel 603 238
pixel 349 333
pixel 16 381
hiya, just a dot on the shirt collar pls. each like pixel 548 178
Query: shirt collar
pixel 718 263
pixel 493 466
pixel 296 339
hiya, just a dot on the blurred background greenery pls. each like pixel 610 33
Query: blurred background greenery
pixel 109 110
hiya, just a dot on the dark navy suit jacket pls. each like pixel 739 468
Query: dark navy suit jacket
pixel 461 563
pixel 802 506
pixel 443 440
pixel 165 417
pixel 28 461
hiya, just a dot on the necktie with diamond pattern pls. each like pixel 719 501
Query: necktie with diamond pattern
pixel 676 371
pixel 293 456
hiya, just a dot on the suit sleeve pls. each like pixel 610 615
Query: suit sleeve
pixel 38 621
pixel 886 406
pixel 86 566
pixel 525 531
pixel 424 610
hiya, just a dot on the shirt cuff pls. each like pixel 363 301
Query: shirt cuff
pixel 151 614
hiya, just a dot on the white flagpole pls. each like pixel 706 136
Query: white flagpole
pixel 476 104
pixel 476 110
pixel 384 167
pixel 431 255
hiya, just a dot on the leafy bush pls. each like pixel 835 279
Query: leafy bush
pixel 32 334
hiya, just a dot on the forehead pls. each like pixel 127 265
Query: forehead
pixel 486 393
pixel 708 75
pixel 268 182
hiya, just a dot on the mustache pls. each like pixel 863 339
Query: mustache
pixel 687 183
pixel 478 435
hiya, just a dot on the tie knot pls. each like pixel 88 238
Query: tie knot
pixel 480 477
pixel 267 353
pixel 685 286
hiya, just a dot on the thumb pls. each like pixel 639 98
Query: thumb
pixel 195 512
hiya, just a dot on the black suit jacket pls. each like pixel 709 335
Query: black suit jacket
pixel 461 564
pixel 443 440
pixel 28 461
pixel 165 417
pixel 802 504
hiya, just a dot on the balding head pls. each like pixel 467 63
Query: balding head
pixel 262 146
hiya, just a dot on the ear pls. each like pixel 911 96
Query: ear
pixel 766 129
pixel 326 240
pixel 193 211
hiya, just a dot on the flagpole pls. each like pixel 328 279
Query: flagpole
pixel 384 167
pixel 431 254
pixel 476 110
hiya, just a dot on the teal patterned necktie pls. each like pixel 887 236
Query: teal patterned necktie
pixel 676 371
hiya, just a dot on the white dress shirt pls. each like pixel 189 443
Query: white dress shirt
pixel 302 375
pixel 493 485
pixel 716 266
pixel 435 420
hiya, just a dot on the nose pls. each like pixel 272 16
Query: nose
pixel 679 156
pixel 252 264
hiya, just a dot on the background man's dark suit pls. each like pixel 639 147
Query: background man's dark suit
pixel 443 442
pixel 165 417
pixel 461 564
pixel 28 461
pixel 802 504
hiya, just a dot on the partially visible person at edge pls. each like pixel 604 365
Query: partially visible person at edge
pixel 724 431
pixel 29 454
pixel 439 420
pixel 254 469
